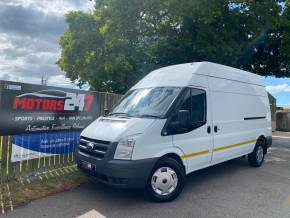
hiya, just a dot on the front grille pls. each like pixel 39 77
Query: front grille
pixel 93 147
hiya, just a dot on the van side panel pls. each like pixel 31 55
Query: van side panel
pixel 241 114
pixel 154 145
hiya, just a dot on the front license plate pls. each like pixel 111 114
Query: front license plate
pixel 88 166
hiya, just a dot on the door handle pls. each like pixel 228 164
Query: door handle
pixel 208 130
pixel 216 129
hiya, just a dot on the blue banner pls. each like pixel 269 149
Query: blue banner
pixel 30 146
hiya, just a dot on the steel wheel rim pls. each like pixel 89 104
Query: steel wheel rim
pixel 260 154
pixel 164 181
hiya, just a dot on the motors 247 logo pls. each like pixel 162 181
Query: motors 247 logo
pixel 53 100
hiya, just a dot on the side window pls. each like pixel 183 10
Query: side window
pixel 186 101
pixel 194 101
pixel 198 105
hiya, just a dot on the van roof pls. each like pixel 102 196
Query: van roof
pixel 180 75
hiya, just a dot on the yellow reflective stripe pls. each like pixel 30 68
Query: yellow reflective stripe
pixel 217 149
pixel 195 154
pixel 233 145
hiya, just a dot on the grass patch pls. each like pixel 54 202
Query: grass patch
pixel 23 193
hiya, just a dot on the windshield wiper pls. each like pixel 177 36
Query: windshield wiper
pixel 118 114
pixel 135 115
pixel 148 115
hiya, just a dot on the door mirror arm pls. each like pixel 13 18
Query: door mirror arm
pixel 106 112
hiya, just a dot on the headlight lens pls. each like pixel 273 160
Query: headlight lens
pixel 124 149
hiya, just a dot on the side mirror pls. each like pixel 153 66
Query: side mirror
pixel 106 112
pixel 179 123
pixel 183 118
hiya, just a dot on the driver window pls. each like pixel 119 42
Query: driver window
pixel 194 101
pixel 198 105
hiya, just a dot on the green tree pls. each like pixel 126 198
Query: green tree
pixel 123 40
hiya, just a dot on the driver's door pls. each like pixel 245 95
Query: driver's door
pixel 196 141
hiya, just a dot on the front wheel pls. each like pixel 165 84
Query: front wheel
pixel 256 158
pixel 166 180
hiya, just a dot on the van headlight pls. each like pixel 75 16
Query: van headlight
pixel 125 148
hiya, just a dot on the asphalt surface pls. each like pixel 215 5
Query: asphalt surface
pixel 231 189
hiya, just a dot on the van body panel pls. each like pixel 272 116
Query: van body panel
pixel 228 73
pixel 168 76
pixel 230 86
pixel 198 81
pixel 114 129
pixel 198 143
pixel 152 144
pixel 175 151
pixel 240 112
pixel 198 152
pixel 182 75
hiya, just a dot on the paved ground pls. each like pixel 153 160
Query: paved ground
pixel 231 189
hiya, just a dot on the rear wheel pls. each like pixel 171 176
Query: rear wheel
pixel 256 158
pixel 166 180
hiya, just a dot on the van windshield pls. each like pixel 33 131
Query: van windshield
pixel 146 102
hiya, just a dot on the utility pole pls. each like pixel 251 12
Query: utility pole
pixel 44 80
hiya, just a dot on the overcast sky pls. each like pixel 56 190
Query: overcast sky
pixel 29 33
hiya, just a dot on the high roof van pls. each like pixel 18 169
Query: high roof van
pixel 177 120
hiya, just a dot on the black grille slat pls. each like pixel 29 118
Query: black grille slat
pixel 97 146
pixel 99 149
pixel 96 141
pixel 97 155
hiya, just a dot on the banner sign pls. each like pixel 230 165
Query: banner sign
pixel 27 108
pixel 32 146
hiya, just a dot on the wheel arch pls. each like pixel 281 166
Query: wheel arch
pixel 264 138
pixel 176 154
pixel 175 157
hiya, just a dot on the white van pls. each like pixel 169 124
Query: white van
pixel 177 120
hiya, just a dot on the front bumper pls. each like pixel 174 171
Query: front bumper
pixel 131 174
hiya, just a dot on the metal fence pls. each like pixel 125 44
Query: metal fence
pixel 42 166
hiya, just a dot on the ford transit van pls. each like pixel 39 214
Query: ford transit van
pixel 177 120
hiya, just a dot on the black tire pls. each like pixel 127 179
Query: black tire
pixel 164 164
pixel 254 158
